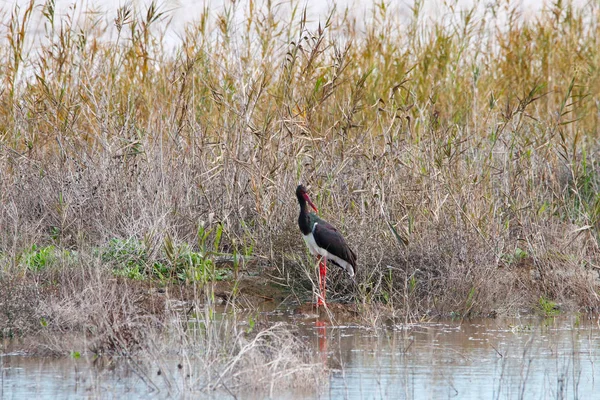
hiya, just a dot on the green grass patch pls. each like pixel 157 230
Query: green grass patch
pixel 39 258
pixel 174 262
pixel 547 307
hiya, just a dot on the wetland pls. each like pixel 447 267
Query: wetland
pixel 149 243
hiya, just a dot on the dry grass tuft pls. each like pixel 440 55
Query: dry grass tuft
pixel 82 309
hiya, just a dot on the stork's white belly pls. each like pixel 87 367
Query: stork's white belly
pixel 312 245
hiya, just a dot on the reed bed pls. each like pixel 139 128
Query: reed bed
pixel 458 154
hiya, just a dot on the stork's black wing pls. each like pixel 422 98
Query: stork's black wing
pixel 328 238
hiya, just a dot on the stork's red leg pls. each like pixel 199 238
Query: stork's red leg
pixel 319 297
pixel 320 284
pixel 323 280
pixel 323 268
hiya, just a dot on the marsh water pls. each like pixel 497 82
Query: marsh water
pixel 491 359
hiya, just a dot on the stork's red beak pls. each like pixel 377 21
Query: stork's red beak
pixel 310 203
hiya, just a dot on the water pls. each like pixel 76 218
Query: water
pixel 490 359
pixel 65 378
pixel 484 359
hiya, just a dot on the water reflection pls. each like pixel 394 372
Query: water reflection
pixel 499 359
pixel 25 377
pixel 480 359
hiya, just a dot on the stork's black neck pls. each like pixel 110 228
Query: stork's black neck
pixel 304 217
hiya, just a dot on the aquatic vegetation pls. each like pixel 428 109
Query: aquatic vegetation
pixel 548 308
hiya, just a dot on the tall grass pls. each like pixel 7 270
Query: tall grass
pixel 458 155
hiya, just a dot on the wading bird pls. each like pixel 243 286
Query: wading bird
pixel 323 241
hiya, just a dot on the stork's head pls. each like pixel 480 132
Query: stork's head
pixel 302 195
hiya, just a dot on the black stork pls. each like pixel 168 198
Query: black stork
pixel 323 241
